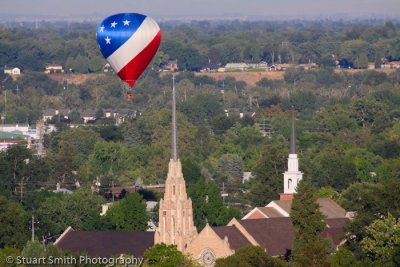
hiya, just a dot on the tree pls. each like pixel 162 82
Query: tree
pixel 13 163
pixel 208 206
pixel 201 108
pixel 230 169
pixel 268 173
pixel 14 224
pixel 333 168
pixel 191 171
pixel 383 236
pixel 108 158
pixel 371 202
pixel 250 256
pixel 345 258
pixel 33 249
pixel 80 210
pixel 309 248
pixel 356 52
pixel 162 255
pixel 129 213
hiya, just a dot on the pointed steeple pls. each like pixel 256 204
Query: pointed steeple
pixel 293 134
pixel 174 152
pixel 292 176
pixel 176 224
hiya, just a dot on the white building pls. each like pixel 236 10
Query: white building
pixel 13 72
pixel 236 66
pixel 15 128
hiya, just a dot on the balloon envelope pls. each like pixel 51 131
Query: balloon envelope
pixel 129 42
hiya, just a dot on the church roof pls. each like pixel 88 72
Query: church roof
pixel 270 212
pixel 235 238
pixel 286 205
pixel 328 207
pixel 274 234
pixel 106 243
pixel 331 209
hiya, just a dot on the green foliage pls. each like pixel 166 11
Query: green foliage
pixel 356 52
pixel 7 252
pixel 250 256
pixel 191 171
pixel 309 248
pixel 208 206
pixel 383 235
pixel 107 158
pixel 33 249
pixel 268 173
pixel 201 108
pixel 371 202
pixel 128 213
pixel 14 224
pixel 80 210
pixel 327 192
pixel 162 255
pixel 345 258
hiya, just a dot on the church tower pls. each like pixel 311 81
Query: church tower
pixel 175 214
pixel 292 176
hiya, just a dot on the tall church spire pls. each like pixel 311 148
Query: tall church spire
pixel 292 176
pixel 176 224
pixel 293 134
pixel 174 151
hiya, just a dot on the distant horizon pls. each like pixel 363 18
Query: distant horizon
pixel 186 18
pixel 205 9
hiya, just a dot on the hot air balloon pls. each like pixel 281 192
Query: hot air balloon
pixel 129 41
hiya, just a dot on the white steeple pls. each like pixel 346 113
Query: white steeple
pixel 292 176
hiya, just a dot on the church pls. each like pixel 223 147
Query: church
pixel 269 227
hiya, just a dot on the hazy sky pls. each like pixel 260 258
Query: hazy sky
pixel 241 8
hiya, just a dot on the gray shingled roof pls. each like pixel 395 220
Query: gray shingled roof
pixel 107 243
pixel 235 238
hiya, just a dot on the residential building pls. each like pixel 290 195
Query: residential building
pixel 13 71
pixel 236 66
pixel 172 65
pixel 88 116
pixel 8 139
pixel 54 69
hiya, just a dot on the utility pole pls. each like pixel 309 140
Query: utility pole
pixel 20 189
pixel 3 117
pixel 223 192
pixel 33 227
pixel 112 192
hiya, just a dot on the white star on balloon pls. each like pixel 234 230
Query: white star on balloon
pixel 126 22
pixel 108 40
pixel 113 24
pixel 102 28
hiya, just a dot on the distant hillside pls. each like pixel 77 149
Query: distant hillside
pixel 251 78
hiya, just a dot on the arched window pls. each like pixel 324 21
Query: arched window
pixel 289 183
pixel 173 190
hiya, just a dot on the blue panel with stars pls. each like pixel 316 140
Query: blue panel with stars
pixel 115 30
